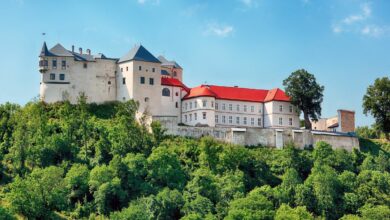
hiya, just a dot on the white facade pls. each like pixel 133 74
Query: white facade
pixel 156 84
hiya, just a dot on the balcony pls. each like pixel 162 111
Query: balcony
pixel 43 66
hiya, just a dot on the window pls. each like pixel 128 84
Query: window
pixel 124 80
pixel 223 119
pixel 153 69
pixel 109 82
pixel 290 109
pixel 63 64
pixel 223 106
pixel 238 120
pixel 216 106
pixel 142 80
pixel 151 81
pixel 238 108
pixel 54 64
pixel 245 120
pixel 280 121
pixel 85 65
pixel 177 94
pixel 127 68
pixel 166 92
pixel 204 103
pixel 204 115
pixel 195 104
pixel 259 121
pixel 177 105
pixel 245 108
pixel 190 105
pixel 139 68
pixel 146 99
pixel 216 119
pixel 185 118
pixel 52 76
pixel 195 116
pixel 290 121
pixel 280 108
pixel 230 107
pixel 186 106
pixel 252 108
pixel 174 73
pixel 212 104
pixel 62 76
pixel 121 70
pixel 252 121
pixel 259 108
pixel 230 119
pixel 190 117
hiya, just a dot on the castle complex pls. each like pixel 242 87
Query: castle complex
pixel 157 84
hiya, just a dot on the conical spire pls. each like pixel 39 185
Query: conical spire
pixel 44 51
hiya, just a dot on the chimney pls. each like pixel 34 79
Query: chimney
pixel 81 50
pixel 72 48
pixel 88 51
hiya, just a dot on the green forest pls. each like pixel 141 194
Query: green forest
pixel 88 161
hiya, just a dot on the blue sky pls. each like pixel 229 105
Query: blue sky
pixel 250 43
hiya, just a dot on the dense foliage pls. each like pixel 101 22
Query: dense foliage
pixel 64 161
pixel 376 101
pixel 305 93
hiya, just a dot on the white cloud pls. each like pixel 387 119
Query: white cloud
pixel 250 3
pixel 360 23
pixel 153 2
pixel 218 30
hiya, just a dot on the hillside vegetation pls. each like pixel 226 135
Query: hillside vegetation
pixel 64 161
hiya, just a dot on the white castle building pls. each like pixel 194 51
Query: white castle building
pixel 157 85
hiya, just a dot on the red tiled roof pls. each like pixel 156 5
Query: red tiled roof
pixel 167 81
pixel 237 93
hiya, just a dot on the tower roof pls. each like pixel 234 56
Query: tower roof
pixel 45 51
pixel 59 50
pixel 139 53
pixel 165 62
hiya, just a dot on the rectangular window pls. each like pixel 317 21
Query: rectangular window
pixel 177 105
pixel 238 120
pixel 259 108
pixel 216 106
pixel 230 107
pixel 54 64
pixel 185 118
pixel 212 104
pixel 190 117
pixel 195 104
pixel 63 64
pixel 252 121
pixel 216 119
pixel 85 65
pixel 245 120
pixel 204 115
pixel 259 122
pixel 151 81
pixel 195 116
pixel 280 121
pixel 223 106
pixel 238 108
pixel 153 69
pixel 186 106
pixel 290 121
pixel 190 105
pixel 280 108
pixel 290 108
pixel 230 119
pixel 121 70
pixel 245 108
pixel 223 119
pixel 139 68
pixel 252 108
pixel 52 76
pixel 204 103
pixel 142 80
pixel 62 76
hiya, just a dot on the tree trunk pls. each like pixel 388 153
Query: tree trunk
pixel 307 121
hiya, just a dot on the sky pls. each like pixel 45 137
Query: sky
pixel 248 43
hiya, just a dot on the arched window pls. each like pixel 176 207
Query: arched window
pixel 166 92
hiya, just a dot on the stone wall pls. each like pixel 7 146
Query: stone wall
pixel 271 137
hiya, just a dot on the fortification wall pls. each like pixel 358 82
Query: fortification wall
pixel 271 137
